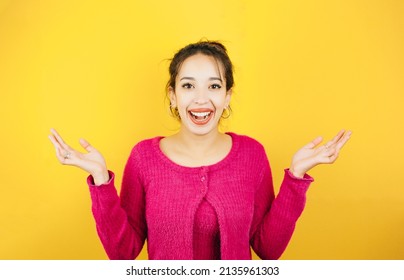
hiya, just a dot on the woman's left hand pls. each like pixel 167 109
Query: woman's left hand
pixel 311 154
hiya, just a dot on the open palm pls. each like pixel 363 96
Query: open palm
pixel 311 154
pixel 92 162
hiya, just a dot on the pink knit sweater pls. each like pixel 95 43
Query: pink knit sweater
pixel 159 199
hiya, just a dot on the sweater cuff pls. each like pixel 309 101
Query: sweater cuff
pixel 104 192
pixel 91 184
pixel 306 176
pixel 298 185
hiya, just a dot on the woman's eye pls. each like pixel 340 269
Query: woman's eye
pixel 187 86
pixel 216 86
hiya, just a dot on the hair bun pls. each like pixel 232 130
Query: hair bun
pixel 214 44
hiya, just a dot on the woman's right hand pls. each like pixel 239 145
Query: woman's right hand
pixel 92 162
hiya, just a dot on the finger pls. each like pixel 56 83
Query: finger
pixel 65 156
pixel 314 143
pixel 62 156
pixel 336 138
pixel 333 152
pixel 54 141
pixel 331 158
pixel 59 139
pixel 343 141
pixel 57 146
pixel 84 143
pixel 329 152
pixel 60 151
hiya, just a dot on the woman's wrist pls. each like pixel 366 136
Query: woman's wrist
pixel 296 173
pixel 101 177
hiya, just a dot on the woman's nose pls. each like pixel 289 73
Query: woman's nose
pixel 201 96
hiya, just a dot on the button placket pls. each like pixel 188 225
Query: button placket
pixel 203 177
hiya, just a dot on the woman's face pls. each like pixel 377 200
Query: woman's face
pixel 200 94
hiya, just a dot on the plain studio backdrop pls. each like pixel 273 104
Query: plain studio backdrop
pixel 98 69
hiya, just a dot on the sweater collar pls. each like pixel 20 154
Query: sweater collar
pixel 186 169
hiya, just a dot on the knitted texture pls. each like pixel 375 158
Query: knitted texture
pixel 159 199
pixel 206 233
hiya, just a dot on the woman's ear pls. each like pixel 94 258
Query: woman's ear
pixel 173 98
pixel 228 97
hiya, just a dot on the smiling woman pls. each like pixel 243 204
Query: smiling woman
pixel 199 193
pixel 200 94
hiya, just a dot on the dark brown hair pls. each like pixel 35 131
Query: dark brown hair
pixel 210 48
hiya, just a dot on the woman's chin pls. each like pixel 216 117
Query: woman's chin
pixel 201 129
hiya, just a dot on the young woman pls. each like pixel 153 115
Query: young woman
pixel 198 194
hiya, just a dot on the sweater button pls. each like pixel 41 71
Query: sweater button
pixel 203 179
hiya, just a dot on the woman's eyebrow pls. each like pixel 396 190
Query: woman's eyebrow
pixel 215 78
pixel 210 79
pixel 187 78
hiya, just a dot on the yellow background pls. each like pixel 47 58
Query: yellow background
pixel 97 69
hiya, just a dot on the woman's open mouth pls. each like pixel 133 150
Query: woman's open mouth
pixel 200 116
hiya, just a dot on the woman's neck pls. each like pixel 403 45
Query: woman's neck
pixel 199 144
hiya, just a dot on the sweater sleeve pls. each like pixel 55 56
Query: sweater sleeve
pixel 120 222
pixel 275 218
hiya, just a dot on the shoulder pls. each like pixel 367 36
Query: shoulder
pixel 247 143
pixel 250 155
pixel 145 147
pixel 249 150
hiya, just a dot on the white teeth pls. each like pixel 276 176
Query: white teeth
pixel 200 114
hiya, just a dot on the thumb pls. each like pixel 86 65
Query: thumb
pixel 86 145
pixel 314 143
